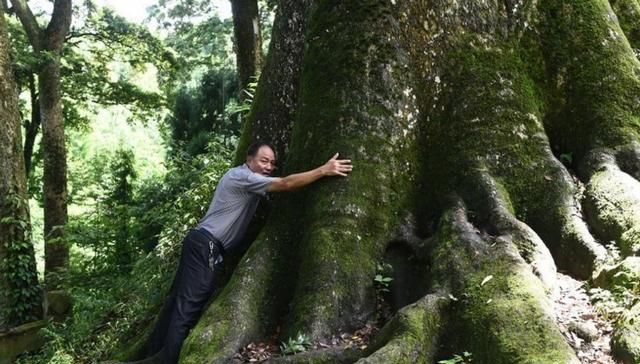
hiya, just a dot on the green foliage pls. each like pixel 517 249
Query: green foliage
pixel 103 54
pixel 612 304
pixel 566 158
pixel 104 63
pixel 111 310
pixel 106 228
pixel 248 93
pixel 118 204
pixel 24 295
pixel 465 358
pixel 296 344
pixel 102 59
pixel 200 40
pixel 382 281
pixel 204 92
pixel 200 113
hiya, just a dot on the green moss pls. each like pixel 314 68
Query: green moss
pixel 356 99
pixel 628 12
pixel 594 73
pixel 411 335
pixel 625 344
pixel 625 274
pixel 506 321
pixel 612 204
pixel 503 195
pixel 487 120
pixel 501 309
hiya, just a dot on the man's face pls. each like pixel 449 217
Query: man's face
pixel 264 162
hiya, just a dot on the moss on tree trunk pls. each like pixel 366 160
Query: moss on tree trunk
pixel 473 127
pixel 20 295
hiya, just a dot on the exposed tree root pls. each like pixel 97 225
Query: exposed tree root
pixel 612 203
pixel 412 334
pixel 628 13
pixel 528 243
pixel 501 308
pixel 628 159
pixel 325 356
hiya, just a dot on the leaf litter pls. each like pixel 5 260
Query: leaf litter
pixel 573 308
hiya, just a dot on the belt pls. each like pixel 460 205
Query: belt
pixel 215 247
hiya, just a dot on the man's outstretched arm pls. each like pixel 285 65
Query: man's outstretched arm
pixel 333 167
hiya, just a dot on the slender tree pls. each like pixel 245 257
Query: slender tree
pixel 47 44
pixel 20 298
pixel 248 42
pixel 32 126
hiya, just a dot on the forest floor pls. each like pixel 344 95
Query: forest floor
pixel 586 330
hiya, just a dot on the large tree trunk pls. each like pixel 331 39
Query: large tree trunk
pixel 47 45
pixel 20 298
pixel 452 113
pixel 248 42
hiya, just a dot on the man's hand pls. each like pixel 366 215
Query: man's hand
pixel 333 167
pixel 337 167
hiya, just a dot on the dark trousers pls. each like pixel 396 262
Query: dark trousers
pixel 192 287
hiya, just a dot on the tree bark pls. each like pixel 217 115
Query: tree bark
pixel 55 176
pixel 48 44
pixel 248 42
pixel 457 116
pixel 276 99
pixel 20 299
pixel 33 126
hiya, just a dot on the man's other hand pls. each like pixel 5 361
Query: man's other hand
pixel 337 167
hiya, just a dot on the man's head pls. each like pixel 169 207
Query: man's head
pixel 261 158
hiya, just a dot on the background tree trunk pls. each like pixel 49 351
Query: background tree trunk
pixel 248 42
pixel 276 99
pixel 20 298
pixel 55 173
pixel 48 45
pixel 33 126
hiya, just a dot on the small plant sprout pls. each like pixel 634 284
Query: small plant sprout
pixel 382 281
pixel 296 344
pixel 465 358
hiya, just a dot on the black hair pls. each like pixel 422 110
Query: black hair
pixel 253 148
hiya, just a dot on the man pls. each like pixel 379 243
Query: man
pixel 221 229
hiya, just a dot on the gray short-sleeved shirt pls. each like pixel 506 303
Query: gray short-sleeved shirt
pixel 234 203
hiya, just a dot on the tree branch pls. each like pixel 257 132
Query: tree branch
pixel 98 36
pixel 73 35
pixel 59 25
pixel 29 23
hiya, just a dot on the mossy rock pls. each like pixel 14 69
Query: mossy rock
pixel 584 329
pixel 20 339
pixel 625 274
pixel 625 344
pixel 59 303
